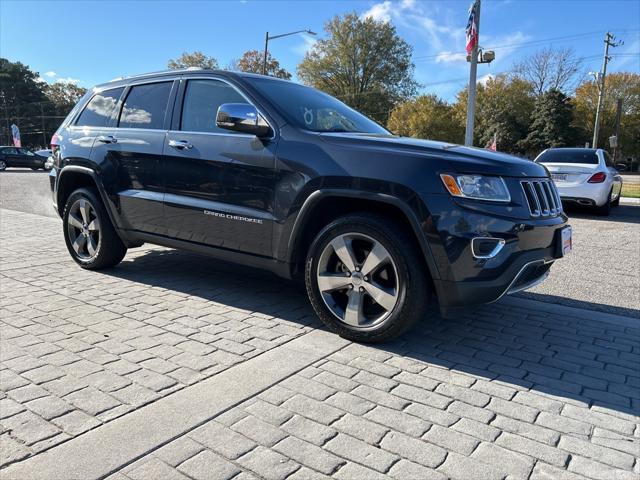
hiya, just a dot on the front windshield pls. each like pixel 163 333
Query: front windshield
pixel 313 110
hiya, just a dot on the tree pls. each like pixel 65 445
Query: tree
pixel 551 124
pixel 194 59
pixel 363 62
pixel 427 116
pixel 550 69
pixel 622 85
pixel 251 61
pixel 64 95
pixel 503 108
pixel 21 102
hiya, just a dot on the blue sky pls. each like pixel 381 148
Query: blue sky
pixel 92 42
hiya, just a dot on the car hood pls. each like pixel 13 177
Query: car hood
pixel 457 157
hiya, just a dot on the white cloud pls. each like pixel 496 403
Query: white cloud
pixel 485 78
pixel 451 57
pixel 307 44
pixel 380 11
pixel 40 80
pixel 51 74
pixel 71 80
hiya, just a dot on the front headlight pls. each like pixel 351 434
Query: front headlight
pixel 478 187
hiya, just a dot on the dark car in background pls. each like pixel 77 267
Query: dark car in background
pixel 20 157
pixel 272 174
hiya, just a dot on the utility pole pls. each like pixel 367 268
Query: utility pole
pixel 617 134
pixel 44 135
pixel 266 51
pixel 608 42
pixel 473 73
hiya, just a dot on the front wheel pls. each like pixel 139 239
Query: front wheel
pixel 366 279
pixel 90 237
pixel 3 165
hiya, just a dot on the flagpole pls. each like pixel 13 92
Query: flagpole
pixel 473 73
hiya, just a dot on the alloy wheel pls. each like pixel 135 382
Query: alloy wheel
pixel 358 280
pixel 3 164
pixel 83 229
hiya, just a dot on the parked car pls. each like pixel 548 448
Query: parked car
pixel 20 157
pixel 272 174
pixel 585 176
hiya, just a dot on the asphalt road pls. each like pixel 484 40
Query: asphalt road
pixel 602 273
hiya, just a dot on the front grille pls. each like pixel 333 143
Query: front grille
pixel 542 198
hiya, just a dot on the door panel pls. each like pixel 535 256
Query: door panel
pixel 220 192
pixel 134 154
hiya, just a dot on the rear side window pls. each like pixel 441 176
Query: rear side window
pixel 100 108
pixel 569 156
pixel 201 101
pixel 145 106
pixel 10 151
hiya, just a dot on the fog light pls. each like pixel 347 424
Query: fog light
pixel 486 247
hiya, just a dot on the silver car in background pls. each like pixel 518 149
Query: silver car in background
pixel 585 176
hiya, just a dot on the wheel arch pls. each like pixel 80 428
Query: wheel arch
pixel 72 177
pixel 323 206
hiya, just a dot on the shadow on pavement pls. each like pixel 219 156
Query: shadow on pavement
pixel 584 362
pixel 621 213
pixel 570 302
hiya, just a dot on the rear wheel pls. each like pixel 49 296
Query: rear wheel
pixel 605 209
pixel 90 237
pixel 366 279
pixel 3 165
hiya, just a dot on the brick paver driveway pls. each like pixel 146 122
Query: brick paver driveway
pixel 175 366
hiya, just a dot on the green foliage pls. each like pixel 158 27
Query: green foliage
pixel 503 109
pixel 193 59
pixel 427 116
pixel 251 61
pixel 622 85
pixel 551 123
pixel 64 96
pixel 364 63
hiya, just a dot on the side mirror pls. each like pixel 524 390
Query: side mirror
pixel 242 117
pixel 621 167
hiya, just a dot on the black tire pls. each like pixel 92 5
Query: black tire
pixel 3 165
pixel 35 169
pixel 605 209
pixel 616 202
pixel 109 250
pixel 413 288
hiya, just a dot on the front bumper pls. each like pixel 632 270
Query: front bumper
pixel 530 248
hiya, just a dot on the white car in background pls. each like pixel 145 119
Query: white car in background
pixel 585 176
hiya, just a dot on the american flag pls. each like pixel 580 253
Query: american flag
pixel 472 27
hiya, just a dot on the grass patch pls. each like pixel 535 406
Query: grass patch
pixel 630 190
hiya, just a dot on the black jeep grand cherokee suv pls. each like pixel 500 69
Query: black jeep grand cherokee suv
pixel 276 175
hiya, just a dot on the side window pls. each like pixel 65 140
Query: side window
pixel 145 106
pixel 10 151
pixel 24 151
pixel 100 108
pixel 607 159
pixel 201 101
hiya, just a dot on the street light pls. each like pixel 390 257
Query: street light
pixel 266 45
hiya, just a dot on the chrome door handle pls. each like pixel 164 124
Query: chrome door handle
pixel 180 144
pixel 107 139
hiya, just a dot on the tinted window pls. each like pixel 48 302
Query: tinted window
pixel 569 155
pixel 145 106
pixel 24 151
pixel 313 110
pixel 201 101
pixel 100 108
pixel 10 151
pixel 608 160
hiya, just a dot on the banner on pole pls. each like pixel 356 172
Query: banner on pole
pixel 15 133
pixel 472 27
